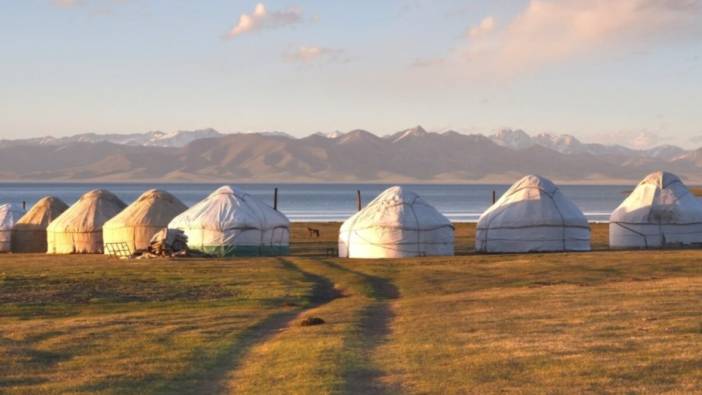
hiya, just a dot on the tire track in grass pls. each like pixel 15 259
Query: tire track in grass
pixel 362 375
pixel 309 360
pixel 337 357
pixel 322 292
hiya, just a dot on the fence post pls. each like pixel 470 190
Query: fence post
pixel 494 196
pixel 358 200
pixel 275 199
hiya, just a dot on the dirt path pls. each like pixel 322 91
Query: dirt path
pixel 334 357
pixel 322 292
pixel 373 331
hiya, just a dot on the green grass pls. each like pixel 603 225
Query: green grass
pixel 623 321
pixel 91 323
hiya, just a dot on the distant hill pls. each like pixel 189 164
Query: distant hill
pixel 412 155
pixel 151 139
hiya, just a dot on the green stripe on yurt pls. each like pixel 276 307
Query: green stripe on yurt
pixel 233 251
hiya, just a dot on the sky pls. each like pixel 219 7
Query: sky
pixel 625 71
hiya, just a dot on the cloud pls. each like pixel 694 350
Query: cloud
pixel 96 7
pixel 312 54
pixel 261 18
pixel 548 32
pixel 422 62
pixel 486 26
pixel 66 3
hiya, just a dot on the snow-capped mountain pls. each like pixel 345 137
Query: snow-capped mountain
pixel 147 139
pixel 514 139
pixel 178 139
pixel 276 134
pixel 413 154
pixel 416 131
pixel 329 135
pixel 570 145
pixel 565 144
pixel 667 151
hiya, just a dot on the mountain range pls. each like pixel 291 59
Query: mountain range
pixel 412 155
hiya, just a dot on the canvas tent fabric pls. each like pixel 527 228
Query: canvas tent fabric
pixel 230 222
pixel 398 223
pixel 660 212
pixel 533 215
pixel 9 214
pixel 29 233
pixel 79 229
pixel 141 220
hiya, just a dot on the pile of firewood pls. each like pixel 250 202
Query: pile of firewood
pixel 166 243
pixel 169 242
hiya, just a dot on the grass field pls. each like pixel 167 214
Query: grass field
pixel 605 321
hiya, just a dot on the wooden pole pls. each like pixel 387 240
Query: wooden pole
pixel 494 196
pixel 358 200
pixel 275 199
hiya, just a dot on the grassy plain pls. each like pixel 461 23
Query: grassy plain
pixel 605 321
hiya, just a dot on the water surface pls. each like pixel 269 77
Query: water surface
pixel 328 202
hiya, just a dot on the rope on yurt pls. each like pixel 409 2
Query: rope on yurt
pixel 416 220
pixel 389 246
pixel 261 221
pixel 354 231
pixel 643 236
pixel 563 226
pixel 659 221
pixel 560 214
pixel 352 228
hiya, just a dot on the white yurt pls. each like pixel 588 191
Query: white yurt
pixel 140 221
pixel 29 233
pixel 230 222
pixel 660 212
pixel 79 229
pixel 533 215
pixel 398 223
pixel 9 214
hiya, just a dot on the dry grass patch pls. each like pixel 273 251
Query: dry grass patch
pixel 597 322
pixel 336 357
pixel 93 324
pixel 304 244
pixel 606 321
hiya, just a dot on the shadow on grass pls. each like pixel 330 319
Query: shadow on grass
pixel 322 292
pixel 33 358
pixel 12 383
pixel 362 376
pixel 380 288
pixel 210 374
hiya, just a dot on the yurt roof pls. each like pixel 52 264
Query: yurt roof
pixel 230 208
pixel 89 213
pixel 533 201
pixel 9 214
pixel 398 207
pixel 532 182
pixel 661 179
pixel 154 207
pixel 42 213
pixel 661 197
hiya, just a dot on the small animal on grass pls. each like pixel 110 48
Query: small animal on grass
pixel 313 232
pixel 312 321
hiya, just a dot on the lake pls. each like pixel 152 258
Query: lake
pixel 328 202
